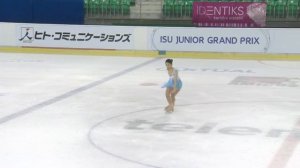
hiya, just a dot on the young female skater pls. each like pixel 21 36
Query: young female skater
pixel 173 85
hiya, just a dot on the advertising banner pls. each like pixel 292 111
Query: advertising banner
pixel 70 36
pixel 229 14
pixel 190 39
pixel 211 39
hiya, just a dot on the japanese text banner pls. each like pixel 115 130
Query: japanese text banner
pixel 229 14
pixel 70 36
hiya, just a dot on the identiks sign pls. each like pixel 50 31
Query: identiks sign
pixel 229 14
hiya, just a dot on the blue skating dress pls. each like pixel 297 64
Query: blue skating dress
pixel 170 82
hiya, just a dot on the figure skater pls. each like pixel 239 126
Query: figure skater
pixel 173 85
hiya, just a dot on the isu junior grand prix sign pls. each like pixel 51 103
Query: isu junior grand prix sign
pixel 229 14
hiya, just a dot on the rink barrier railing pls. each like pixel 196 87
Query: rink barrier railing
pixel 186 42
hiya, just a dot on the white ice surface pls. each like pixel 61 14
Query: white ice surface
pixel 46 121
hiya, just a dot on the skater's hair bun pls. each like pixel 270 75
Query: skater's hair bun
pixel 169 61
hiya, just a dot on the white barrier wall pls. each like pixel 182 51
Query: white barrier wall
pixel 284 40
pixel 7 34
pixel 254 40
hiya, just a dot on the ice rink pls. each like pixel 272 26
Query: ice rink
pixel 60 111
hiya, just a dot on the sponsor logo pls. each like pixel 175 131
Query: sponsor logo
pixel 206 128
pixel 266 81
pixel 27 34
